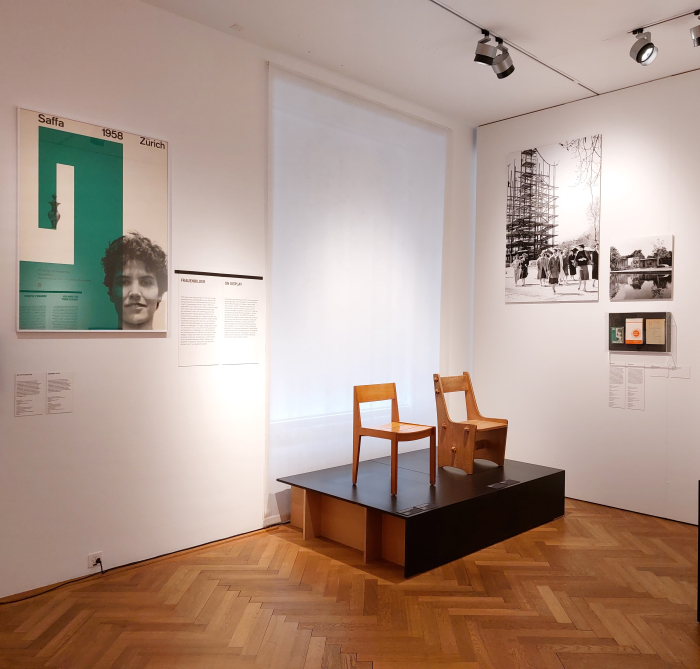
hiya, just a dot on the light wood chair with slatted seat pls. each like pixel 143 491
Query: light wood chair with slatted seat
pixel 395 431
pixel 459 442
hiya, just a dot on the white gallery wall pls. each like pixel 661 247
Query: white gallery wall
pixel 157 458
pixel 358 206
pixel 154 458
pixel 545 366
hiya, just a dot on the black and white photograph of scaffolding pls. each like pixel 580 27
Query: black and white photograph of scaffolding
pixel 553 222
pixel 532 206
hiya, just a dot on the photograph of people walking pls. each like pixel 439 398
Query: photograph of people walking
pixel 642 269
pixel 553 222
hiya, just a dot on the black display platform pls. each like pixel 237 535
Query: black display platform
pixel 460 515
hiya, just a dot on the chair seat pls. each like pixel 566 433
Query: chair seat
pixel 482 425
pixel 400 429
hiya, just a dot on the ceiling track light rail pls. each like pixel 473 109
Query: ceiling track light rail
pixel 506 43
pixel 644 51
pixel 670 18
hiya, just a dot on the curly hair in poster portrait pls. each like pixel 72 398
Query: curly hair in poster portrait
pixel 136 276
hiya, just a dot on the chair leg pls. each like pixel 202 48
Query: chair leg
pixel 444 452
pixel 355 457
pixel 433 457
pixel 502 447
pixel 394 465
pixel 469 447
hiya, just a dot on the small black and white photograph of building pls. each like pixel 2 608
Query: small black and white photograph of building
pixel 642 269
pixel 553 222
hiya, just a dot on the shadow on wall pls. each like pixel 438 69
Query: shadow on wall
pixel 279 507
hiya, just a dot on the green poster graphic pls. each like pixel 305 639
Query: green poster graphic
pixel 98 183
pixel 82 265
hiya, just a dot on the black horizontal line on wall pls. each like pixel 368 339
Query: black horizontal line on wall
pixel 230 276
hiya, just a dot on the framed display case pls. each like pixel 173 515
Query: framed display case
pixel 645 331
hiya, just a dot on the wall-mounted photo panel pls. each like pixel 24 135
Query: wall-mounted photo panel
pixel 553 222
pixel 93 227
pixel 642 269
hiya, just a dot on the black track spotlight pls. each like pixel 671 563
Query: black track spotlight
pixel 485 52
pixel 502 64
pixel 643 50
pixel 695 32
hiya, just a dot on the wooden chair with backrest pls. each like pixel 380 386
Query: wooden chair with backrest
pixel 459 442
pixel 395 431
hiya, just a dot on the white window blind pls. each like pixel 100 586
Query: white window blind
pixel 357 217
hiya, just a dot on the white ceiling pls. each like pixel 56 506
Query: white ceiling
pixel 420 52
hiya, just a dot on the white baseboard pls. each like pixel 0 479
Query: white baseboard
pixel 275 520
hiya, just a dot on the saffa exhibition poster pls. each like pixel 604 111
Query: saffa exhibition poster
pixel 93 227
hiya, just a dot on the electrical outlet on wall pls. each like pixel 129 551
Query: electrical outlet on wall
pixel 92 559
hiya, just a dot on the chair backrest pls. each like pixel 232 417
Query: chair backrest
pixel 375 393
pixel 459 384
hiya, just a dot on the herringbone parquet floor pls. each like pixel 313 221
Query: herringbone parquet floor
pixel 598 588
